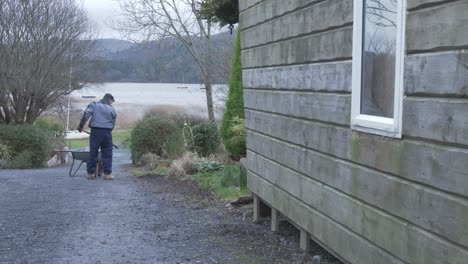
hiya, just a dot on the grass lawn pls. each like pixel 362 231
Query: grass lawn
pixel 223 182
pixel 119 136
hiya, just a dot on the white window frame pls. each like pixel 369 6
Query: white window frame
pixel 384 126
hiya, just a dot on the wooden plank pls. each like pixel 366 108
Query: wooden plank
pixel 431 210
pixel 256 209
pixel 304 240
pixel 444 120
pixel 411 4
pixel 443 26
pixel 400 238
pixel 274 220
pixel 268 10
pixel 333 77
pixel 311 19
pixel 330 45
pixel 245 4
pixel 336 238
pixel 326 107
pixel 445 168
pixel 442 74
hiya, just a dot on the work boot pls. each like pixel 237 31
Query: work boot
pixel 91 176
pixel 108 176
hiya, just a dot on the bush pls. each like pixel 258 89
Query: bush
pixel 233 176
pixel 234 106
pixel 55 129
pixel 5 152
pixel 205 139
pixel 158 135
pixel 50 125
pixel 238 134
pixel 29 145
pixel 23 160
pixel 180 120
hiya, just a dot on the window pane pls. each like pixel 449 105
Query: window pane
pixel 378 57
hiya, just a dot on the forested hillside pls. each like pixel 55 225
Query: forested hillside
pixel 157 61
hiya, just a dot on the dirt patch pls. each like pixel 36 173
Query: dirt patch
pixel 49 217
pixel 234 230
pixel 184 190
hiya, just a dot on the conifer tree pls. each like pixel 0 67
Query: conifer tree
pixel 234 107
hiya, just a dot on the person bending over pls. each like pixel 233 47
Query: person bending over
pixel 102 123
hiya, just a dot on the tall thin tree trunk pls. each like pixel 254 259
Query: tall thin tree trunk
pixel 209 97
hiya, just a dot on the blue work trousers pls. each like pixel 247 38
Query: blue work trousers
pixel 100 138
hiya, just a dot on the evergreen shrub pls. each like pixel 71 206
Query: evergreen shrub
pixel 50 125
pixel 206 139
pixel 158 135
pixel 22 161
pixel 29 145
pixel 4 152
pixel 234 106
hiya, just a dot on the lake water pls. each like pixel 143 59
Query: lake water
pixel 132 100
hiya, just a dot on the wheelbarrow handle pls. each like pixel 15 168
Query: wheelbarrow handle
pixel 90 134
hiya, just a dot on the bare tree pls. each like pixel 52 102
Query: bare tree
pixel 179 19
pixel 381 12
pixel 40 40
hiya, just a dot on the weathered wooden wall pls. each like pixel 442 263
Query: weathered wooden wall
pixel 367 198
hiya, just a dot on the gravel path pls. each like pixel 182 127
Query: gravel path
pixel 48 217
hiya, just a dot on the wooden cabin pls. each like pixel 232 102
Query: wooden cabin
pixel 357 124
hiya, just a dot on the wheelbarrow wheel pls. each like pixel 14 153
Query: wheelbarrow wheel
pixel 99 169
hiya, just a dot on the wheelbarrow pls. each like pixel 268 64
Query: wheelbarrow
pixel 83 157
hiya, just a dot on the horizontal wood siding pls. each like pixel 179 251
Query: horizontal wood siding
pixel 328 77
pixel 367 198
pixel 401 238
pixel 439 74
pixel 245 4
pixel 319 106
pixel 445 168
pixel 302 22
pixel 268 9
pixel 414 4
pixel 443 214
pixel 444 120
pixel 349 246
pixel 439 27
pixel 326 46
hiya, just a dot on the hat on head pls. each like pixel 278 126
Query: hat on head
pixel 109 96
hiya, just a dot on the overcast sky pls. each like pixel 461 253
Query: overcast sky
pixel 101 11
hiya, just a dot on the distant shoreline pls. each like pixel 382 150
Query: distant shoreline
pixel 133 100
pixel 155 83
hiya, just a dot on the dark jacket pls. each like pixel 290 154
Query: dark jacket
pixel 102 115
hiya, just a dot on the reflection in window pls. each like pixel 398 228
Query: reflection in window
pixel 378 57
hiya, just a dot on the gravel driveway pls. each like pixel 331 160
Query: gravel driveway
pixel 48 217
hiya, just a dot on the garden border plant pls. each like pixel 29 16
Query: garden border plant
pixel 158 135
pixel 30 145
pixel 205 139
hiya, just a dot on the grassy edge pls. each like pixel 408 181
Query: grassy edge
pixel 212 181
pixel 119 136
pixel 142 172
